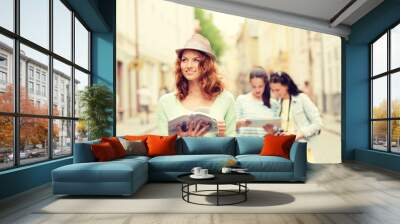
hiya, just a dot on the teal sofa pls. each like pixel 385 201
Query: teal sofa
pixel 125 176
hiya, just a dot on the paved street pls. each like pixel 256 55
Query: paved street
pixel 327 146
pixel 133 126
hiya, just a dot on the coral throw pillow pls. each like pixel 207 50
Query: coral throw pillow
pixel 103 152
pixel 116 145
pixel 277 145
pixel 161 145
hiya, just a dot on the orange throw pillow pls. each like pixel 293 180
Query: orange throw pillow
pixel 161 145
pixel 277 145
pixel 103 152
pixel 116 145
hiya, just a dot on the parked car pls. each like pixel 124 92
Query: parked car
pixel 22 155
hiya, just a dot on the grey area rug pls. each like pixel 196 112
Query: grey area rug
pixel 166 198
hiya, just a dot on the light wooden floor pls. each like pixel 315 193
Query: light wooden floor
pixel 377 188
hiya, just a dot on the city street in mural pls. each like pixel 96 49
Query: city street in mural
pixel 149 32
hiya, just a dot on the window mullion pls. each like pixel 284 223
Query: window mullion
pixel 16 84
pixel 73 82
pixel 50 81
pixel 371 137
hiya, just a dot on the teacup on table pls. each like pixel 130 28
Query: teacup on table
pixel 196 170
pixel 203 172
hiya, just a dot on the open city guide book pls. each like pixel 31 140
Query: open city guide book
pixel 260 122
pixel 199 119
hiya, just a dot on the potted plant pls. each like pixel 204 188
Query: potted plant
pixel 96 102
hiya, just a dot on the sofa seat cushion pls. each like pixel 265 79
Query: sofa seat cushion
pixel 257 163
pixel 133 158
pixel 185 163
pixel 112 171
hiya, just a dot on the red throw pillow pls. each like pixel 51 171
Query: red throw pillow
pixel 103 152
pixel 116 145
pixel 277 145
pixel 161 145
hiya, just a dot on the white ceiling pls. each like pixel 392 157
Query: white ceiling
pixel 315 15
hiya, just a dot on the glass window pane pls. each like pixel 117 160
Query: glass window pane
pixel 395 94
pixel 6 142
pixel 379 135
pixel 395 47
pixel 62 138
pixel 379 55
pixel 6 74
pixel 81 45
pixel 34 97
pixel 395 138
pixel 33 140
pixel 379 97
pixel 81 81
pixel 62 89
pixel 35 21
pixel 81 131
pixel 62 29
pixel 7 14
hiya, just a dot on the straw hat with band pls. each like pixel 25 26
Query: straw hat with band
pixel 199 43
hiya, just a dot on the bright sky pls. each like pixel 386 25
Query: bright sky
pixel 35 27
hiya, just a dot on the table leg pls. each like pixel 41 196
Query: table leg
pixel 245 193
pixel 188 190
pixel 196 188
pixel 217 194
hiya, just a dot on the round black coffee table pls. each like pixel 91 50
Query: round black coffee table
pixel 238 179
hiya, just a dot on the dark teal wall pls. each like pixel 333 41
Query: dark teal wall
pixel 355 52
pixel 356 100
pixel 99 16
pixel 103 58
pixel 103 52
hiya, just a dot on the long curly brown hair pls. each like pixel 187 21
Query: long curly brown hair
pixel 210 84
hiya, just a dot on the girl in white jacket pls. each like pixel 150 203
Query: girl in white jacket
pixel 299 114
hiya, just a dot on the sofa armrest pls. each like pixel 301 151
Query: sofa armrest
pixel 298 155
pixel 83 152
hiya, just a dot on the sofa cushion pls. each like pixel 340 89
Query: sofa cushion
pixel 277 145
pixel 103 152
pixel 116 145
pixel 249 145
pixel 112 171
pixel 206 145
pixel 257 163
pixel 161 145
pixel 136 147
pixel 134 157
pixel 185 163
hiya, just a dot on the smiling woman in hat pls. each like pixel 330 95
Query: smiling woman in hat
pixel 198 88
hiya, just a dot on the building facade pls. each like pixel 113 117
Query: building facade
pixel 148 32
pixel 34 82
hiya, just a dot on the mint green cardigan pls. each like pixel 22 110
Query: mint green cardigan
pixel 223 109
